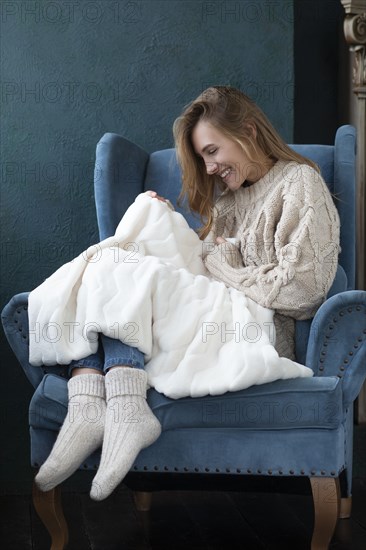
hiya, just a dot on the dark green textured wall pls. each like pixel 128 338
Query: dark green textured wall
pixel 72 71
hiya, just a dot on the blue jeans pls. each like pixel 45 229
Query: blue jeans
pixel 110 353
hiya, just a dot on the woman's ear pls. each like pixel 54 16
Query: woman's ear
pixel 251 129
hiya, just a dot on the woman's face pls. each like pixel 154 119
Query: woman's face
pixel 225 157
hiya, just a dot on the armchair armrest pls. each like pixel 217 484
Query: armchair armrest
pixel 337 341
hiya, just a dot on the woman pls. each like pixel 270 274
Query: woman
pixel 249 187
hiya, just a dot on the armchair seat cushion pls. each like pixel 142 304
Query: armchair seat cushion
pixel 282 405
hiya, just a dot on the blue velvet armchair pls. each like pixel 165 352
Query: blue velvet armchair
pixel 301 428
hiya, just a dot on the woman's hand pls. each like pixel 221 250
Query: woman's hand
pixel 230 240
pixel 154 195
pixel 220 240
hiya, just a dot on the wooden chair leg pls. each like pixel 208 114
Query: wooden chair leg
pixel 326 497
pixel 48 506
pixel 345 508
pixel 142 500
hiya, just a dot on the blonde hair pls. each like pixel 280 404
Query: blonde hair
pixel 233 113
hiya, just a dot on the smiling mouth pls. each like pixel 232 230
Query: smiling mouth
pixel 224 174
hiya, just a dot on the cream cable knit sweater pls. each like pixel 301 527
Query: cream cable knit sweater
pixel 288 229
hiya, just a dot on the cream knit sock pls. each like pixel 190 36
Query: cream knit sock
pixel 130 426
pixel 81 432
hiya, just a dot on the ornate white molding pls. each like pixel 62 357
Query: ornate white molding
pixel 359 71
pixel 355 28
pixel 354 6
pixel 355 34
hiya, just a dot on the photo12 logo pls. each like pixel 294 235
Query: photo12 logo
pixel 62 12
pixel 250 12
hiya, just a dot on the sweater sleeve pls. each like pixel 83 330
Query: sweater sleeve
pixel 296 277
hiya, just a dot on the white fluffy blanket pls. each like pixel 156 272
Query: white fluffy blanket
pixel 147 285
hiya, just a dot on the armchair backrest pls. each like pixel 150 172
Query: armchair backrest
pixel 123 170
pixel 338 167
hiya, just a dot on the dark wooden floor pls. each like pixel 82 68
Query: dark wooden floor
pixel 183 519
